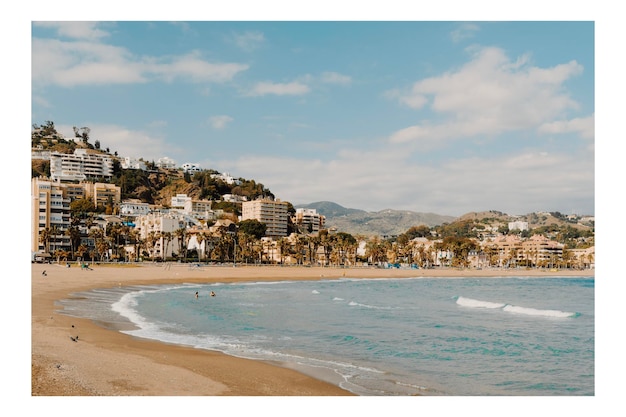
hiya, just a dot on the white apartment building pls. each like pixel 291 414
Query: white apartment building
pixel 234 198
pixel 200 209
pixel 81 165
pixel 132 163
pixel 271 212
pixel 518 225
pixel 226 177
pixel 134 208
pixel 179 201
pixel 190 167
pixel 166 163
pixel 159 231
pixel 309 220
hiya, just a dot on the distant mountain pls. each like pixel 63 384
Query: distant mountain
pixel 386 222
pixel 330 209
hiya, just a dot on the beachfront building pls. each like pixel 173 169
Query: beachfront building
pixel 273 213
pixel 538 250
pixel 81 165
pixel 159 230
pixel 309 220
pixel 50 216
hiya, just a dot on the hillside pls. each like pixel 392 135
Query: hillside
pixel 385 222
pixel 535 220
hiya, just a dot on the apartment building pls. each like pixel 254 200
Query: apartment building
pixel 133 163
pixel 166 163
pixel 103 194
pixel 200 209
pixel 134 208
pixel 191 168
pixel 81 165
pixel 518 225
pixel 159 230
pixel 309 220
pixel 179 200
pixel 273 213
pixel 50 210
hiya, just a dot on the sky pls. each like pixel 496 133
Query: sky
pixel 441 116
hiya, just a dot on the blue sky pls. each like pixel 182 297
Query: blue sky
pixel 429 116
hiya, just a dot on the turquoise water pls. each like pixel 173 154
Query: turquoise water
pixel 470 336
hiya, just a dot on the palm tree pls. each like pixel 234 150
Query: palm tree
pixel 74 234
pixel 180 235
pixel 44 237
pixel 98 236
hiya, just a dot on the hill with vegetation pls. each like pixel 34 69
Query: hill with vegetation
pixel 157 186
pixel 386 222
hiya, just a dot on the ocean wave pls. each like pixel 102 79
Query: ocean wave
pixel 469 302
pixel 355 304
pixel 535 312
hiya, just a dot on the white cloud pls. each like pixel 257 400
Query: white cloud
pixel 335 78
pixel 518 183
pixel 464 31
pixel 192 67
pixel 279 89
pixel 585 126
pixel 220 122
pixel 76 30
pixel 248 41
pixel 487 96
pixel 84 63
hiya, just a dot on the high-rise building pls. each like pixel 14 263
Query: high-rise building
pixel 50 212
pixel 273 213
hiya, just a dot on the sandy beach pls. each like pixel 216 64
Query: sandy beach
pixel 104 362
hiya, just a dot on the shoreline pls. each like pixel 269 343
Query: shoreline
pixel 105 362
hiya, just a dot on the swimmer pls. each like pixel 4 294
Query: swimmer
pixel 196 294
pixel 212 294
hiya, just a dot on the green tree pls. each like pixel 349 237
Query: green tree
pixel 253 228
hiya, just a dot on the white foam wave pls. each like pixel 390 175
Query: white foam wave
pixel 535 312
pixel 338 299
pixel 468 302
pixel 315 292
pixel 355 304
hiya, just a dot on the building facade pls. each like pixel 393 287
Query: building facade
pixel 81 165
pixel 309 220
pixel 273 213
pixel 50 216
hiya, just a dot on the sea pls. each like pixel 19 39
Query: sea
pixel 523 336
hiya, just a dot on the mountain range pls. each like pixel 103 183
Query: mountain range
pixel 385 222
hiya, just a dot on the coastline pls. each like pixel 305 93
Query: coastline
pixel 105 362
